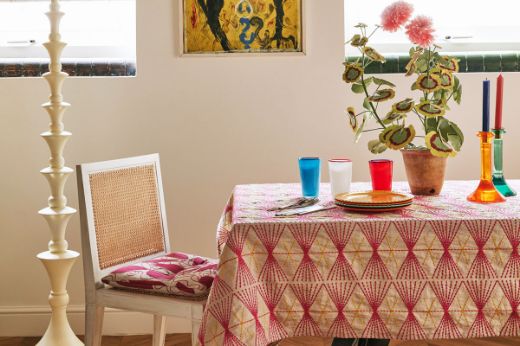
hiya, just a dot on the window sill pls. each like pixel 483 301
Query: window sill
pixel 74 67
pixel 476 62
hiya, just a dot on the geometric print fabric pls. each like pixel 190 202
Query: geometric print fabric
pixel 442 268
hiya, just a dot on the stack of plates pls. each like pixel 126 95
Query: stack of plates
pixel 373 201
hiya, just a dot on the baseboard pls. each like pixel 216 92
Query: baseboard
pixel 33 321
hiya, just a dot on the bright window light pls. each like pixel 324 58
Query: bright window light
pixel 91 28
pixel 461 26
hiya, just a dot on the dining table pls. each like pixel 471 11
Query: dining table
pixel 442 268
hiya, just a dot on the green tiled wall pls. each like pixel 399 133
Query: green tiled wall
pixel 506 62
pixel 74 69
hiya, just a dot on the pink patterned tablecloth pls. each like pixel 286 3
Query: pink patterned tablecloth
pixel 442 268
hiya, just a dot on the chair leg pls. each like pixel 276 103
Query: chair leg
pixel 159 330
pixel 195 326
pixel 94 324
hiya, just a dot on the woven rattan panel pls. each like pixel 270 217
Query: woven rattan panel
pixel 126 214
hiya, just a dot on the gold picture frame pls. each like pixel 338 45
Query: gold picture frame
pixel 242 27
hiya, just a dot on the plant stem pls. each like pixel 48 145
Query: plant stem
pixel 373 32
pixel 363 83
pixel 428 71
pixel 373 130
pixel 377 103
pixel 449 97
pixel 423 121
pixel 374 111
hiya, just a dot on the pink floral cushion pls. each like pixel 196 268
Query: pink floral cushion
pixel 176 273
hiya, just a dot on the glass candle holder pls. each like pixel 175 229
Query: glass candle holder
pixel 381 174
pixel 498 165
pixel 486 191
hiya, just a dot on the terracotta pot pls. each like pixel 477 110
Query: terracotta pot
pixel 425 172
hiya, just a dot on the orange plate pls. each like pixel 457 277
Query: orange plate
pixel 374 210
pixel 373 198
pixel 374 206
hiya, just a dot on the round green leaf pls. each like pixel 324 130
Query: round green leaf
pixel 382 95
pixel 393 116
pixel 380 81
pixel 357 88
pixel 376 147
pixel 401 137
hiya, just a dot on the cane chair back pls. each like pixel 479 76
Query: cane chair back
pixel 123 212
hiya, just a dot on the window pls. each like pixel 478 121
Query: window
pixel 95 30
pixel 461 26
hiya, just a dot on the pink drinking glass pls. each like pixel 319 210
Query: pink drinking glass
pixel 381 174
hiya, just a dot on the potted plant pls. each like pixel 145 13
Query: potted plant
pixel 436 87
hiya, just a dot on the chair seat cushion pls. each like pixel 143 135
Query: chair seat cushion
pixel 176 274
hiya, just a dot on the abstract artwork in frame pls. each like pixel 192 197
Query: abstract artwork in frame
pixel 242 26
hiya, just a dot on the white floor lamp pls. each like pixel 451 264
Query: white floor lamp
pixel 58 260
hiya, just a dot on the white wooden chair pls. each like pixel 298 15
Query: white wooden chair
pixel 110 240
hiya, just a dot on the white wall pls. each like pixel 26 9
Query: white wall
pixel 216 121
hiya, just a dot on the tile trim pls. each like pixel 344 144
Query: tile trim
pixel 16 68
pixel 483 62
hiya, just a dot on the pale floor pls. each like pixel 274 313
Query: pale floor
pixel 184 340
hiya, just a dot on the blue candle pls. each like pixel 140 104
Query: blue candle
pixel 485 107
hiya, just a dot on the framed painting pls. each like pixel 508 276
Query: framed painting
pixel 242 27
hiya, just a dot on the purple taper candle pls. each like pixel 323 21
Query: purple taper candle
pixel 485 107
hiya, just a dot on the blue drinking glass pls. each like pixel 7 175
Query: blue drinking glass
pixel 310 176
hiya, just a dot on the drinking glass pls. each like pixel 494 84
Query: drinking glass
pixel 340 173
pixel 310 176
pixel 381 174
